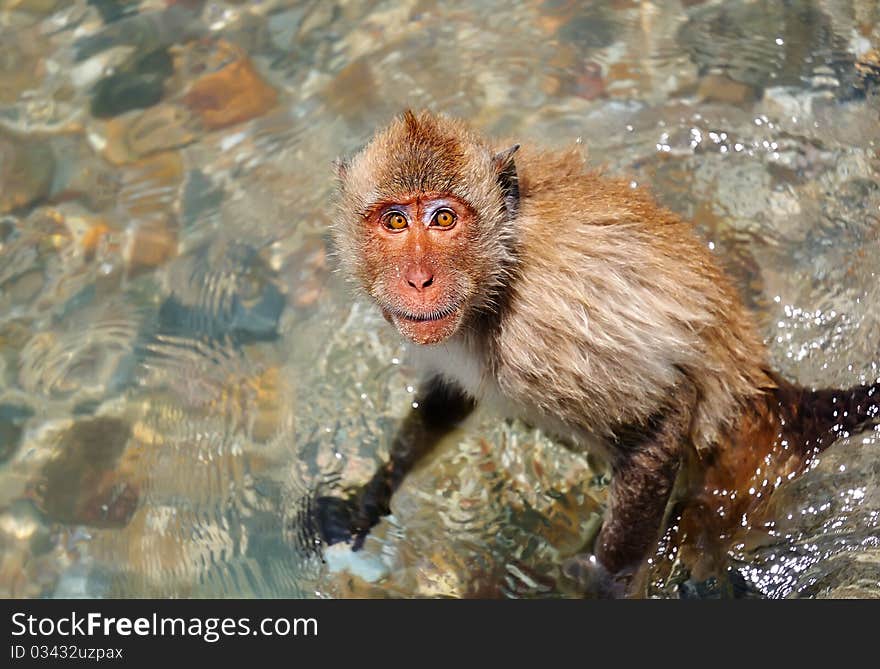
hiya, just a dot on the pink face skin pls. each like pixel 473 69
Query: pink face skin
pixel 420 244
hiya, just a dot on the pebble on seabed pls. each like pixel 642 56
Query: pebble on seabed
pixel 231 95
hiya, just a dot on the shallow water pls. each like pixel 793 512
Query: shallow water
pixel 181 370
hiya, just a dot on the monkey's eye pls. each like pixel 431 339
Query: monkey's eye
pixel 394 220
pixel 443 218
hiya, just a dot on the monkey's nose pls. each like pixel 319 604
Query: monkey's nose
pixel 419 278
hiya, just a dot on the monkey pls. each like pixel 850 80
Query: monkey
pixel 524 280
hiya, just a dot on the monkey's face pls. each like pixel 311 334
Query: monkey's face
pixel 424 224
pixel 417 252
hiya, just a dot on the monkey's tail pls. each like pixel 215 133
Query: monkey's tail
pixel 820 417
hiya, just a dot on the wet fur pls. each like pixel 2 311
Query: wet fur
pixel 601 317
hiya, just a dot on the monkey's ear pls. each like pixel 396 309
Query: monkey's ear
pixel 340 166
pixel 506 156
pixel 508 179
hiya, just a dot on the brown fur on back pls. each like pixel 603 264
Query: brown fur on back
pixel 617 302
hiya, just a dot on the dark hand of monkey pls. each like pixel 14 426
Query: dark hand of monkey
pixel 341 520
pixel 593 580
pixel 441 407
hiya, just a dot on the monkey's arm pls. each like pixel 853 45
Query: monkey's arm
pixel 644 469
pixel 441 407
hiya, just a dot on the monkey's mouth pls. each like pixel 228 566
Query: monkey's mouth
pixel 429 318
pixel 425 328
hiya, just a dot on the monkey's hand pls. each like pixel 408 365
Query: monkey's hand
pixel 593 579
pixel 346 519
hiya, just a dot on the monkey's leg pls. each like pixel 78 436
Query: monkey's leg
pixel 441 407
pixel 643 475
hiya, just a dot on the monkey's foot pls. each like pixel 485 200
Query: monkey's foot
pixel 343 520
pixel 593 579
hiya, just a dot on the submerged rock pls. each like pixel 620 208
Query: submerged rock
pixel 233 94
pixel 84 484
pixel 721 88
pixel 149 187
pixel 151 243
pixel 157 129
pixel 222 290
pixel 589 84
pixel 137 85
pixel 147 32
pixel 27 167
pixel 587 27
pixel 52 167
